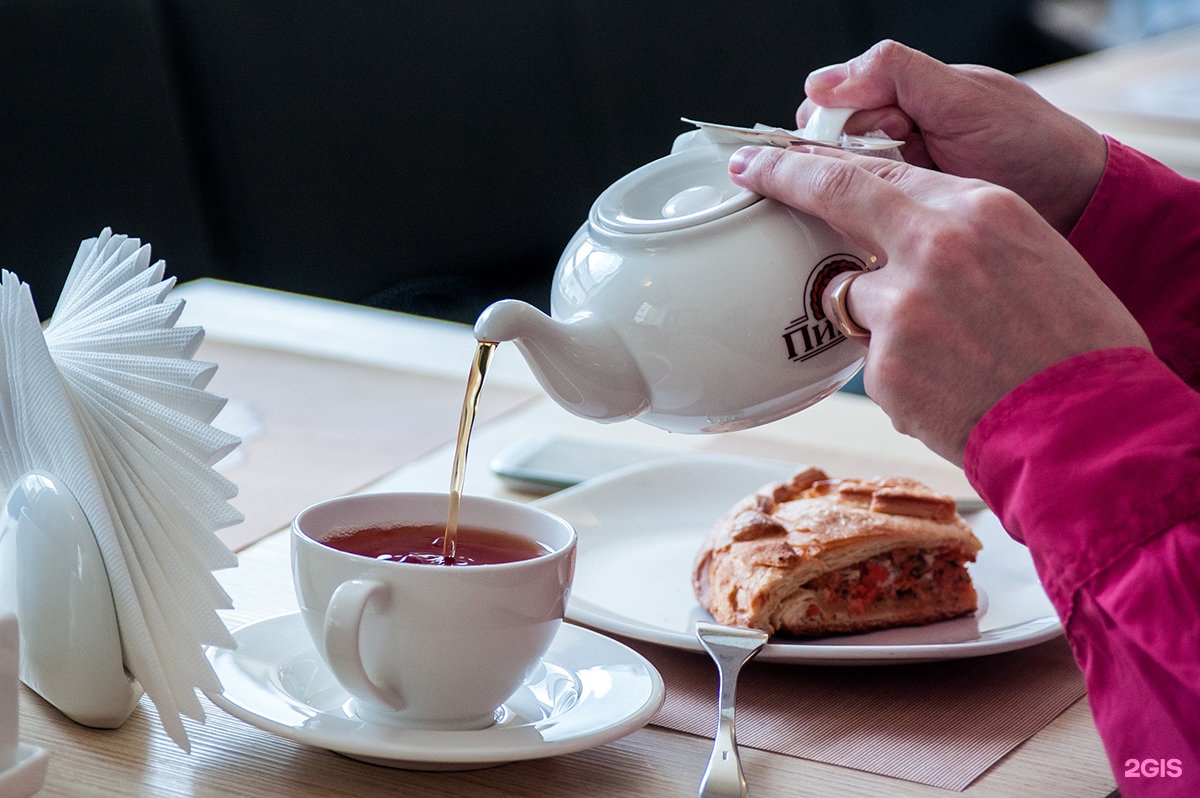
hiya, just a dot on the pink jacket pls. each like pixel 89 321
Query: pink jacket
pixel 1095 464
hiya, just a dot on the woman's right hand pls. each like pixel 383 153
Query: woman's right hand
pixel 975 292
pixel 968 121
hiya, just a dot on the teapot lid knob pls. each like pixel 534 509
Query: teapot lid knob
pixel 692 200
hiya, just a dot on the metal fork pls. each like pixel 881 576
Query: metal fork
pixel 730 648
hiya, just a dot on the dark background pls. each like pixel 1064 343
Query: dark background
pixel 423 156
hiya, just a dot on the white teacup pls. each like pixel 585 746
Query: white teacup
pixel 430 646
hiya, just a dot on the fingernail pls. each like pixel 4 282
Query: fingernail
pixel 826 78
pixel 740 161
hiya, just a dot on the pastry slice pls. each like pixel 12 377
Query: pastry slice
pixel 817 556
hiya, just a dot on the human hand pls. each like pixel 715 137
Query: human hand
pixel 969 121
pixel 976 292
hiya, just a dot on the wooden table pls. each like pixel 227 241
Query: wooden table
pixel 229 757
pixel 1143 93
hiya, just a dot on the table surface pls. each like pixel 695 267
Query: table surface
pixel 229 757
pixel 1143 94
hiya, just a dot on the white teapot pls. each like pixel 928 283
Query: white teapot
pixel 689 303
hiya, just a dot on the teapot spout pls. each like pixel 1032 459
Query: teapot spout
pixel 580 362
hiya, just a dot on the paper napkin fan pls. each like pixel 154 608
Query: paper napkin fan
pixel 106 397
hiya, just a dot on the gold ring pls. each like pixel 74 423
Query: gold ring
pixel 839 314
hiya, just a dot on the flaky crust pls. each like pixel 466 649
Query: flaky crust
pixel 790 557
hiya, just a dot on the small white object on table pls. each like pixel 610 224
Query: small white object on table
pixel 22 767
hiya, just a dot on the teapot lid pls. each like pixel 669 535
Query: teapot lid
pixel 684 189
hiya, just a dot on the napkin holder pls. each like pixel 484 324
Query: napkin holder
pixel 56 582
pixel 109 543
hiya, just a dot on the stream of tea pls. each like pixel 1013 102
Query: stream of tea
pixel 479 367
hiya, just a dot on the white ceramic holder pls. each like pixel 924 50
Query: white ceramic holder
pixel 53 578
pixel 110 525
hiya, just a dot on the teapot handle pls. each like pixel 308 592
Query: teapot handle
pixel 826 124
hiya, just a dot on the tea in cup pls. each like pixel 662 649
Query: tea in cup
pixel 417 641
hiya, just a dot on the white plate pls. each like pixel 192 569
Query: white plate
pixel 640 528
pixel 588 691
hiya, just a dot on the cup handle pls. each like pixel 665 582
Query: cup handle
pixel 826 124
pixel 343 622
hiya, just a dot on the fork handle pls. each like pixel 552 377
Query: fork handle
pixel 723 778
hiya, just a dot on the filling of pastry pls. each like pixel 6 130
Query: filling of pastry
pixel 932 580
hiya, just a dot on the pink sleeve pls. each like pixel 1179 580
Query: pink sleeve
pixel 1095 464
pixel 1141 233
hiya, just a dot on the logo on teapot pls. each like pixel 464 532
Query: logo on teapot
pixel 813 333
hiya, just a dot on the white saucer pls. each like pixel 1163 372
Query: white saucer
pixel 589 690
